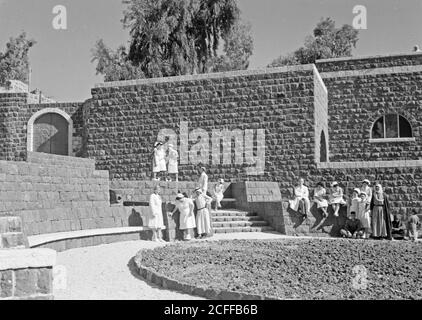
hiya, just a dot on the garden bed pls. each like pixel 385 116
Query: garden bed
pixel 294 268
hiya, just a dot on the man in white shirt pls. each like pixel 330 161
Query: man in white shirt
pixel 301 193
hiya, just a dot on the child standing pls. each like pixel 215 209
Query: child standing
pixel 218 193
pixel 413 224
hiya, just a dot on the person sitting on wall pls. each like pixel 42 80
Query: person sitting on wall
pixel 187 216
pixel 353 228
pixel 159 160
pixel 336 198
pixel 319 198
pixel 203 220
pixel 397 228
pixel 172 158
pixel 301 194
pixel 155 219
pixel 218 194
pixel 412 227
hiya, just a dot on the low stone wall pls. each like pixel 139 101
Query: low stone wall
pixel 27 274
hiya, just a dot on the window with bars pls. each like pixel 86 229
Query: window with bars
pixel 391 126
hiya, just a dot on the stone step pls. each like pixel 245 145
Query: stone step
pixel 228 203
pixel 12 240
pixel 235 218
pixel 236 224
pixel 10 224
pixel 243 229
pixel 231 213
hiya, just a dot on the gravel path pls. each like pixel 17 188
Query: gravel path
pixel 106 272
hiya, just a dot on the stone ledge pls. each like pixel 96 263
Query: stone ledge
pixel 38 240
pixel 206 76
pixel 393 55
pixel 372 72
pixel 369 164
pixel 27 258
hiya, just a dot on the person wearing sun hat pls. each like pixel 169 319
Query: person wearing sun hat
pixel 155 219
pixel 336 198
pixel 364 213
pixel 187 216
pixel 218 194
pixel 365 187
pixel 159 159
pixel 203 220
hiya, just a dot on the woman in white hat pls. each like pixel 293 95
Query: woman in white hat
pixel 336 198
pixel 364 213
pixel 365 187
pixel 155 221
pixel 203 220
pixel 172 158
pixel 218 193
pixel 159 160
pixel 187 216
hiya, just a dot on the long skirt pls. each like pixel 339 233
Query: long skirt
pixel 156 222
pixel 187 220
pixel 203 221
pixel 379 226
pixel 365 219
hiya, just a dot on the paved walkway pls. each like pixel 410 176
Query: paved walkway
pixel 106 272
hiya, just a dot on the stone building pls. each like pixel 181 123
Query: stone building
pixel 341 119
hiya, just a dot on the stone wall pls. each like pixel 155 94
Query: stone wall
pixel 57 194
pixel 124 120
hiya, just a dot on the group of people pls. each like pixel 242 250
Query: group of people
pixel 186 206
pixel 368 211
pixel 165 161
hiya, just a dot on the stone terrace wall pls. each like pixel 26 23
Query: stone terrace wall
pixel 358 98
pixel 57 194
pixel 124 119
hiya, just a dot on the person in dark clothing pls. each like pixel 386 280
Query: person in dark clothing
pixel 397 230
pixel 380 214
pixel 353 227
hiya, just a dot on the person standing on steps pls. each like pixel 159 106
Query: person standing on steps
pixel 203 220
pixel 301 193
pixel 218 194
pixel 159 160
pixel 203 180
pixel 380 214
pixel 172 159
pixel 155 221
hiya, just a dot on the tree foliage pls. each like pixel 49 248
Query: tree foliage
pixel 14 61
pixel 177 37
pixel 326 42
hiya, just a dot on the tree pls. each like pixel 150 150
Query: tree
pixel 238 47
pixel 177 37
pixel 114 65
pixel 14 62
pixel 326 42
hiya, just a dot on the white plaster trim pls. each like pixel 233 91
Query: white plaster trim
pixel 206 76
pixel 369 164
pixel 319 78
pixel 372 72
pixel 27 258
pixel 35 116
pixel 393 55
pixel 392 140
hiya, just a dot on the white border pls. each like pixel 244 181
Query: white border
pixel 35 116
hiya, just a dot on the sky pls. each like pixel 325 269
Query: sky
pixel 61 59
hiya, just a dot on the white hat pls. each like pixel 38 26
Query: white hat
pixel 221 180
pixel 366 181
pixel 357 190
pixel 334 184
pixel 198 190
pixel 179 196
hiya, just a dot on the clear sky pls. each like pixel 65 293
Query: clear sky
pixel 61 60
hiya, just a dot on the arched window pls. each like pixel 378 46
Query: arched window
pixel 391 127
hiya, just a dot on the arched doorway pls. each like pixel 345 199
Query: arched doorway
pixel 50 131
pixel 322 148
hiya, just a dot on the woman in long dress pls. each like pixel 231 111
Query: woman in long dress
pixel 354 203
pixel 159 160
pixel 319 198
pixel 364 214
pixel 155 221
pixel 336 198
pixel 218 193
pixel 173 156
pixel 187 216
pixel 365 187
pixel 380 212
pixel 203 220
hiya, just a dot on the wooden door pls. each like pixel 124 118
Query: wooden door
pixel 51 134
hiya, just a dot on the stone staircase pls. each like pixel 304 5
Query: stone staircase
pixel 228 219
pixel 11 233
